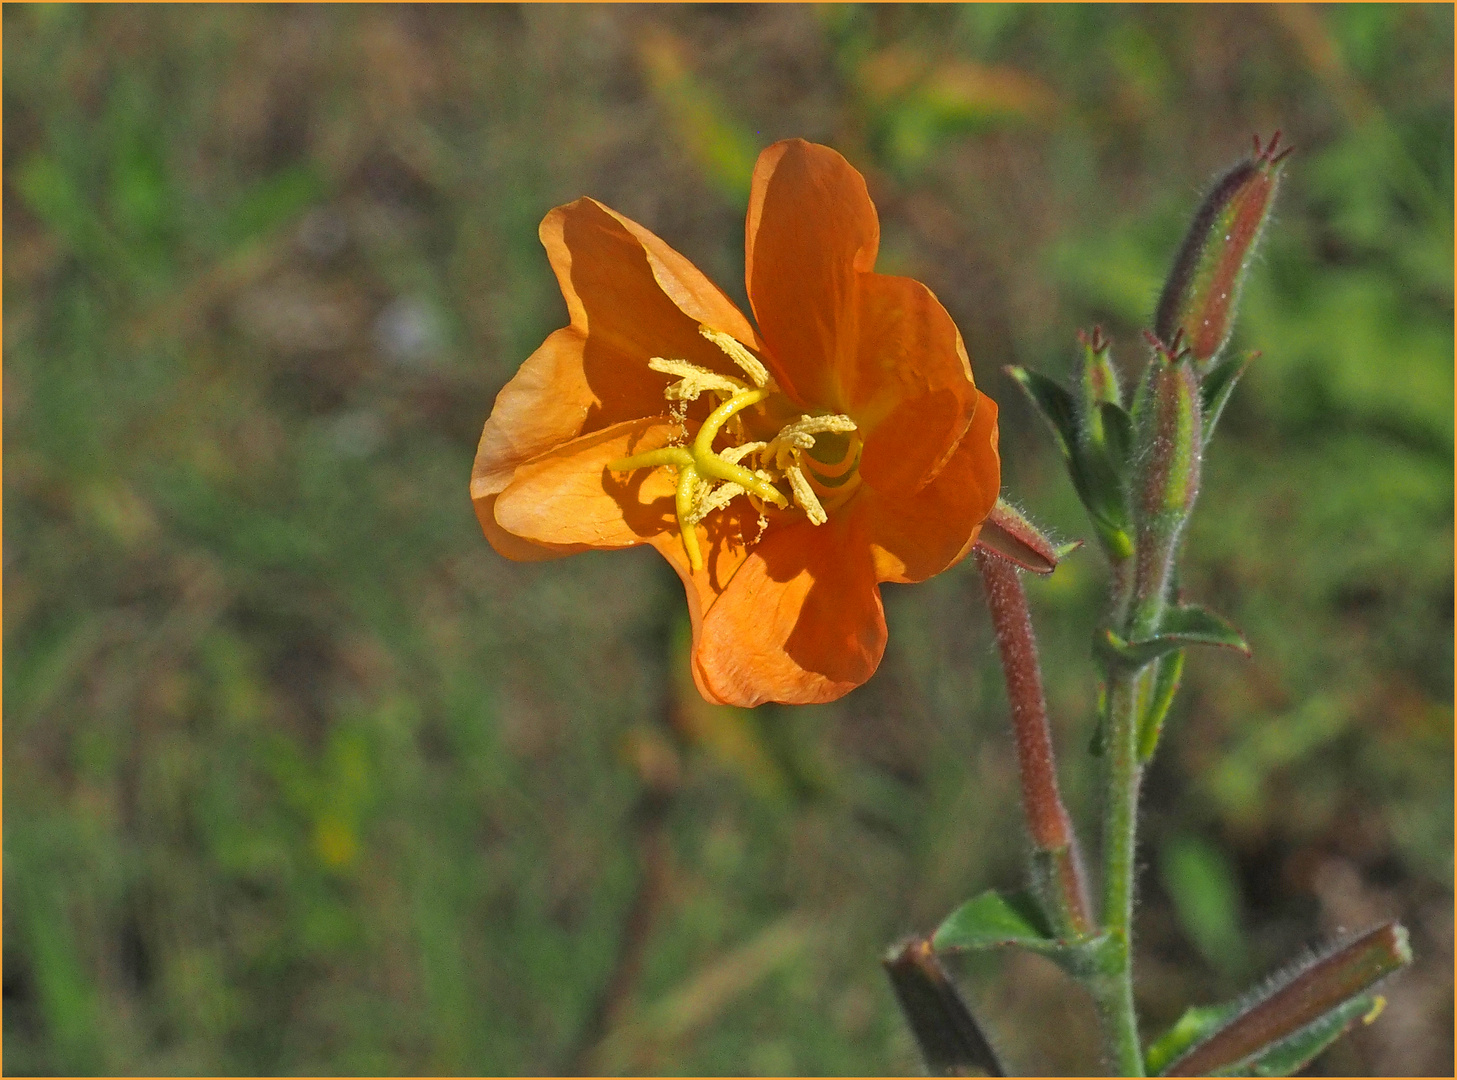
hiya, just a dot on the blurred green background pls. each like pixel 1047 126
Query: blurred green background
pixel 300 777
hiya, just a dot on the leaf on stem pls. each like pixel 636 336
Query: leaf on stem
pixel 1218 384
pixel 1181 626
pixel 1096 471
pixel 993 919
pixel 1165 685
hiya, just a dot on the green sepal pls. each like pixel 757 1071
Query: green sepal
pixel 1197 1024
pixel 1180 626
pixel 995 919
pixel 1165 685
pixel 1217 385
pixel 1054 403
pixel 1097 475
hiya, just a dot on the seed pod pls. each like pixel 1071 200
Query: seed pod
pixel 1203 288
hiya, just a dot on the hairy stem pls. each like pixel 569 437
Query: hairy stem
pixel 1113 988
pixel 1056 863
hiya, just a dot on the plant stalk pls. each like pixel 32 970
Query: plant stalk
pixel 1056 863
pixel 1113 988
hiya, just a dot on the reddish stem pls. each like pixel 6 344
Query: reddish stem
pixel 1304 999
pixel 1047 818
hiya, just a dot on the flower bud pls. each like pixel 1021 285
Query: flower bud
pixel 1167 439
pixel 1096 374
pixel 1203 288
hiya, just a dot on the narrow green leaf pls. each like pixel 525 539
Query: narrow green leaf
pixel 1165 685
pixel 993 919
pixel 1194 625
pixel 1181 626
pixel 1117 431
pixel 1197 1024
pixel 1054 403
pixel 1217 385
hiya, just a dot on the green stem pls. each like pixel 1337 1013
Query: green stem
pixel 1123 775
pixel 1113 987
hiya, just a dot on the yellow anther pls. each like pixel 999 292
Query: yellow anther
pixel 804 495
pixel 693 380
pixel 736 351
pixel 820 425
pixel 735 454
pixel 708 499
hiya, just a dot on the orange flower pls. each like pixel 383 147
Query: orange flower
pixel 785 473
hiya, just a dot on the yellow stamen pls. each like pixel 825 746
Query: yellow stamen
pixel 804 495
pixel 693 380
pixel 735 454
pixel 751 365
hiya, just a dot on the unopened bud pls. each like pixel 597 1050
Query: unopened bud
pixel 1203 288
pixel 1096 374
pixel 1098 383
pixel 1167 440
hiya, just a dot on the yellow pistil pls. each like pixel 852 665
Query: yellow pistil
pixel 699 460
pixel 708 481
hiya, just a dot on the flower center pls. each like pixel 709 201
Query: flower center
pixel 816 457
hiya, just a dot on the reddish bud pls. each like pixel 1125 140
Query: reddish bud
pixel 1097 375
pixel 1300 999
pixel 1168 435
pixel 1203 288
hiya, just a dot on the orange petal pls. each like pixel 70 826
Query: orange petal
pixel 915 537
pixel 512 546
pixel 910 388
pixel 631 297
pixel 810 234
pixel 723 539
pixel 568 495
pixel 801 622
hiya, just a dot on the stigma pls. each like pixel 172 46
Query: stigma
pixel 815 457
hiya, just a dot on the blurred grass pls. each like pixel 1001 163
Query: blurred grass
pixel 301 777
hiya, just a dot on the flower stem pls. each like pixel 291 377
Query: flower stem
pixel 1113 988
pixel 1056 864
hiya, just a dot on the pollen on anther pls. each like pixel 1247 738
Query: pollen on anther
pixel 750 364
pixel 693 380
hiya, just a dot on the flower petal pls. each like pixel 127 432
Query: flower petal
pixel 631 297
pixel 811 234
pixel 801 622
pixel 915 537
pixel 567 496
pixel 910 387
